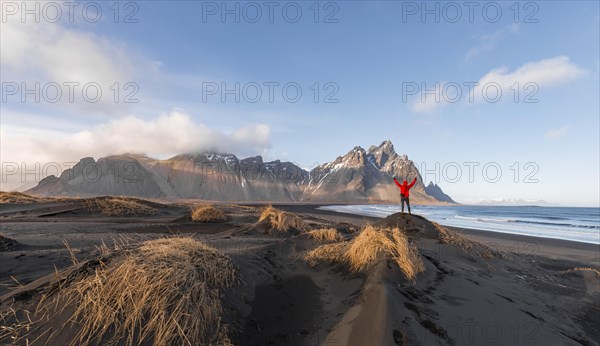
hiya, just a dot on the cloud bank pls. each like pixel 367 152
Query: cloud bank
pixel 54 53
pixel 166 135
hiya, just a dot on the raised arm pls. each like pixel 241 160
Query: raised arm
pixel 413 183
pixel 397 183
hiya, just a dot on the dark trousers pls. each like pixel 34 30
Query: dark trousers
pixel 405 199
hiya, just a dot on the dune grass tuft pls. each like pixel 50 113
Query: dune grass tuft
pixel 329 253
pixel 282 221
pixel 208 214
pixel 370 245
pixel 118 206
pixel 14 197
pixel 471 247
pixel 166 292
pixel 326 235
pixel 581 269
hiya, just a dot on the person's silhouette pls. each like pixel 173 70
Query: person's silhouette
pixel 404 192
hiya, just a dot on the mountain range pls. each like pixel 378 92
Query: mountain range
pixel 514 202
pixel 359 176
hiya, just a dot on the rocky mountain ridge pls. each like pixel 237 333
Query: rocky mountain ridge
pixel 359 176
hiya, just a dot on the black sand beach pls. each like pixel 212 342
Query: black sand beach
pixel 501 289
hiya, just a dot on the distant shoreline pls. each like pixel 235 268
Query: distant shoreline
pixel 516 243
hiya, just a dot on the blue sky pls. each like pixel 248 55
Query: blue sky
pixel 368 52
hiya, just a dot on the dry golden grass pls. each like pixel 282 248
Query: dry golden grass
pixel 282 221
pixel 472 247
pixel 23 198
pixel 34 323
pixel 370 245
pixel 330 253
pixel 325 235
pixel 581 269
pixel 166 292
pixel 13 324
pixel 208 214
pixel 118 206
pixel 19 198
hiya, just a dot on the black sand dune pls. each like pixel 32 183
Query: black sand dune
pixel 476 288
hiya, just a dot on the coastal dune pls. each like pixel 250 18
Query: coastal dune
pixel 281 275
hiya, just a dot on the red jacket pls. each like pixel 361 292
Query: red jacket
pixel 405 187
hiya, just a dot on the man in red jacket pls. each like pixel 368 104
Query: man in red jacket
pixel 404 192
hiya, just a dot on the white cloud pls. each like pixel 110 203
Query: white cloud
pixel 51 52
pixel 166 135
pixel 498 84
pixel 557 133
pixel 543 73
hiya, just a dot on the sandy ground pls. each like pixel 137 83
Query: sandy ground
pixel 522 297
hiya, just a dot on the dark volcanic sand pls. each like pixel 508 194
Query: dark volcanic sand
pixel 522 298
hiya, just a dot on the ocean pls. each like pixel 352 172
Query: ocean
pixel 568 223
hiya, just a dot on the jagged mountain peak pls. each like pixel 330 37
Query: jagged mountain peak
pixel 356 150
pixel 386 146
pixel 383 157
pixel 435 191
pixel 355 157
pixel 387 160
pixel 358 176
pixel 383 153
